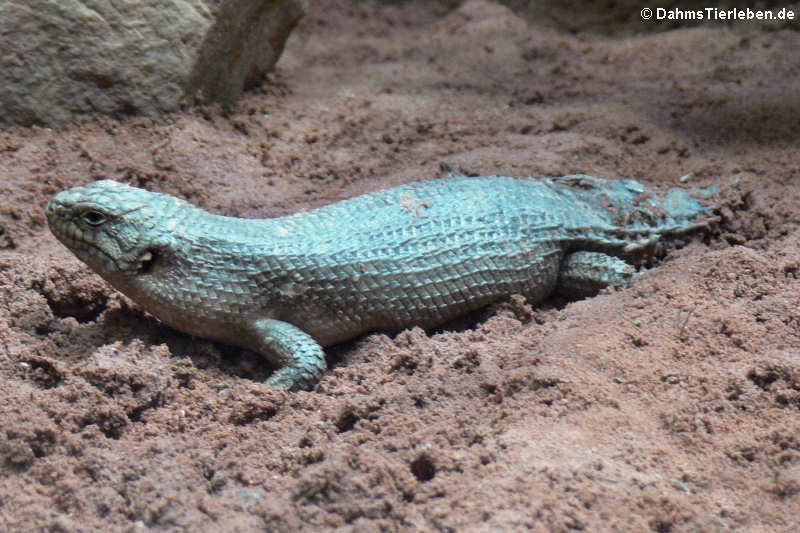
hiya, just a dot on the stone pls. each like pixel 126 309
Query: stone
pixel 72 59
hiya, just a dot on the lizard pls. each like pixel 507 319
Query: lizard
pixel 420 254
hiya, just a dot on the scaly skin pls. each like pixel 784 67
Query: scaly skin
pixel 416 255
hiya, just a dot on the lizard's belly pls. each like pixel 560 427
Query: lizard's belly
pixel 334 301
pixel 389 296
pixel 190 305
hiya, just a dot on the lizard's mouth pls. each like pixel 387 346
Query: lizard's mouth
pixel 88 251
pixel 84 246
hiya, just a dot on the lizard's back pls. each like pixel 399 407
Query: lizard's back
pixel 424 253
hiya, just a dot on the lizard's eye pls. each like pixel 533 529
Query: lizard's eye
pixel 93 218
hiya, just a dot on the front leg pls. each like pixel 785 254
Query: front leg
pixel 300 359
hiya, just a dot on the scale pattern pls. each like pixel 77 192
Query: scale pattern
pixel 416 255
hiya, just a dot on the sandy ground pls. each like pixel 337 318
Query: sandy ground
pixel 668 407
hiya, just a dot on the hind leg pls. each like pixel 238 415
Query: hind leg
pixel 583 274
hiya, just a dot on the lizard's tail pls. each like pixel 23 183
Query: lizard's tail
pixel 689 206
pixel 631 205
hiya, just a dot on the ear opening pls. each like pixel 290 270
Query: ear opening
pixel 147 261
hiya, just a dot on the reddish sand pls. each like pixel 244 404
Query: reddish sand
pixel 668 407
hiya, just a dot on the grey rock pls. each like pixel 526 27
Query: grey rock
pixel 68 60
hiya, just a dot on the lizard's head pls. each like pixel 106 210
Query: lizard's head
pixel 114 228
